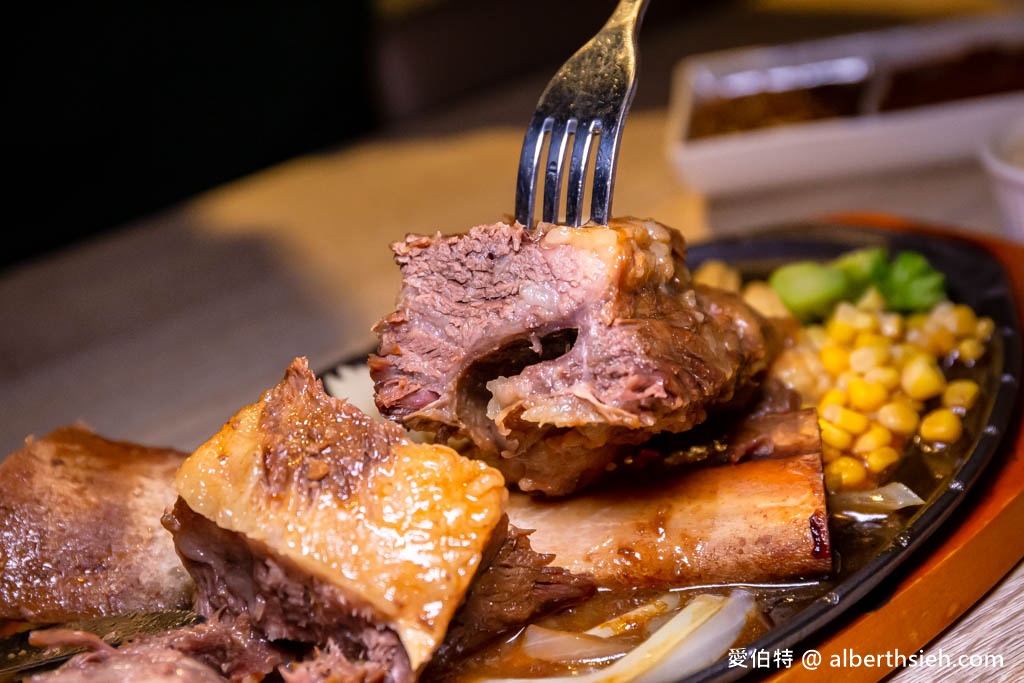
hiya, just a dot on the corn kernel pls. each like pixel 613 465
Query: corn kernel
pixel 939 341
pixel 970 350
pixel 898 417
pixel 876 437
pixel 833 436
pixel 844 473
pixel 867 396
pixel 816 336
pixel 912 403
pixel 864 322
pixel 828 453
pixel 845 312
pixel 833 396
pixel 840 331
pixel 836 359
pixel 848 420
pixel 863 359
pixel 760 296
pixel 844 379
pixel 918 337
pixel 942 315
pixel 903 353
pixel 870 339
pixel 960 394
pixel 881 459
pixel 717 273
pixel 922 379
pixel 942 426
pixel 964 321
pixel 917 321
pixel 890 325
pixel 887 376
pixel 871 301
pixel 985 329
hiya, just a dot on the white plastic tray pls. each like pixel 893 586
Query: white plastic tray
pixel 831 148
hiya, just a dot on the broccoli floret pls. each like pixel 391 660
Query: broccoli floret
pixel 863 268
pixel 912 284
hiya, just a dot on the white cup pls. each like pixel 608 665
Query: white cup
pixel 1003 159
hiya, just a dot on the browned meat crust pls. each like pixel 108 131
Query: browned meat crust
pixel 323 524
pixel 756 521
pixel 555 350
pixel 80 531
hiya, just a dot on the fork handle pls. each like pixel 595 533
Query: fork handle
pixel 627 14
pixel 588 97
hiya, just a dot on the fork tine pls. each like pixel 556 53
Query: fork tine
pixel 578 175
pixel 553 175
pixel 604 174
pixel 595 85
pixel 526 182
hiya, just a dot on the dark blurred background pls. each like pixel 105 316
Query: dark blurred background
pixel 117 112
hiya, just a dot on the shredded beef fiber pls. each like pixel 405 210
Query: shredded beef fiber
pixel 235 579
pixel 554 350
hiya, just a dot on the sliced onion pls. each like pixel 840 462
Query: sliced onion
pixel 567 647
pixel 641 615
pixel 699 635
pixel 687 649
pixel 888 498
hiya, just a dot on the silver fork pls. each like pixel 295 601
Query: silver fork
pixel 588 98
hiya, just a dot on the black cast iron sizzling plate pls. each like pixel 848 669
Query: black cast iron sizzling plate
pixel 866 556
pixel 973 277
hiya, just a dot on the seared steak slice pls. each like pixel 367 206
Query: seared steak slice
pixel 80 531
pixel 554 350
pixel 326 526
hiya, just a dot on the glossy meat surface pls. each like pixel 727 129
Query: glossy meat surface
pixel 397 529
pixel 754 521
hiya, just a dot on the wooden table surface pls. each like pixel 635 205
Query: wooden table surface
pixel 159 332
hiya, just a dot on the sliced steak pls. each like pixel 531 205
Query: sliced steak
pixel 332 529
pixel 555 350
pixel 80 531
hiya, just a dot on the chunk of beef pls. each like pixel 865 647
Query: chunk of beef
pixel 761 519
pixel 237 579
pixel 215 652
pixel 556 350
pixel 322 524
pixel 80 531
pixel 730 440
pixel 516 586
pixel 330 664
